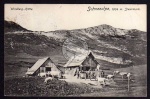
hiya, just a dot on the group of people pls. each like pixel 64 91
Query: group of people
pixel 90 74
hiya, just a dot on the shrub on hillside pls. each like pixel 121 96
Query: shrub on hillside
pixel 37 87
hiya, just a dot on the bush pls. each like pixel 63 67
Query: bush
pixel 35 86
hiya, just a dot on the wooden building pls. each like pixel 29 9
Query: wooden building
pixel 43 65
pixel 86 63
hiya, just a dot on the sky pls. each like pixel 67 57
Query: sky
pixel 50 17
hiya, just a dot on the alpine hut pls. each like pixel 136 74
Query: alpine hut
pixel 86 62
pixel 43 65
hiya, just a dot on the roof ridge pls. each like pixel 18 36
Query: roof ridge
pixel 37 64
pixel 71 60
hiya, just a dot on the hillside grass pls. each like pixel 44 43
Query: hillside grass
pixel 139 74
pixel 35 86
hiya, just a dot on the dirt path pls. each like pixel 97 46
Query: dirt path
pixel 92 83
pixel 72 79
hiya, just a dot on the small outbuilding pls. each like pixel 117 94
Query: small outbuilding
pixel 43 65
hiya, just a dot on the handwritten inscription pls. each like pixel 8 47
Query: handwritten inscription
pixel 110 9
pixel 93 8
pixel 21 9
pixel 129 9
pixel 89 9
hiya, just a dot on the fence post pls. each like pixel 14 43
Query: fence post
pixel 128 83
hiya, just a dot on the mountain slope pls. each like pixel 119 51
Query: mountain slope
pixel 10 26
pixel 109 44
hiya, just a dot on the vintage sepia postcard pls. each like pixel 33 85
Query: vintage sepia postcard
pixel 78 50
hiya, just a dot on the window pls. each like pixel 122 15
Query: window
pixel 48 69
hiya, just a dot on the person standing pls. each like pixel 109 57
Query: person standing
pixel 89 73
pixel 98 67
pixel 102 73
pixel 78 74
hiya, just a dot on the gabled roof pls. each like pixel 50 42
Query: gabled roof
pixel 73 60
pixel 37 65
